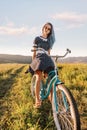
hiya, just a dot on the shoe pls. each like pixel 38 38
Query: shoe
pixel 29 71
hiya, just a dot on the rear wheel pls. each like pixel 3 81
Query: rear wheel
pixel 33 85
pixel 67 117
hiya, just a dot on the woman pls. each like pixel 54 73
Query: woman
pixel 41 60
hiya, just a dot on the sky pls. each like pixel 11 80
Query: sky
pixel 22 20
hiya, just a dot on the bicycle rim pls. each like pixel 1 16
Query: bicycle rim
pixel 67 118
pixel 33 85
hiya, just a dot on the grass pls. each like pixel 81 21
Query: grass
pixel 16 102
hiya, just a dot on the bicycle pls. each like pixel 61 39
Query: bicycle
pixel 65 111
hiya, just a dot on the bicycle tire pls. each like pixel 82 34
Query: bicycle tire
pixel 65 119
pixel 33 85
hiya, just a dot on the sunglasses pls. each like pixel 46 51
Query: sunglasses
pixel 48 28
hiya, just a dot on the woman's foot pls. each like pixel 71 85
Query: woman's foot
pixel 37 104
pixel 50 99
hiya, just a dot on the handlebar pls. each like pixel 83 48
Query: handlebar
pixel 57 56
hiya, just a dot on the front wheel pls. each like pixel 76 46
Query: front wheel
pixel 67 116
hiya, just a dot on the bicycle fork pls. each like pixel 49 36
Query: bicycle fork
pixel 55 103
pixel 58 82
pixel 55 107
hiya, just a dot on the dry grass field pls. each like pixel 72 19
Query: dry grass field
pixel 16 102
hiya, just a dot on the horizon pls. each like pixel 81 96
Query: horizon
pixel 21 21
pixel 51 55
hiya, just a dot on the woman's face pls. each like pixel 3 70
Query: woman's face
pixel 47 29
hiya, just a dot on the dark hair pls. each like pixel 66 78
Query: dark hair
pixel 51 35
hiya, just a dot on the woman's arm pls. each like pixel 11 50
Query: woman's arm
pixel 49 51
pixel 34 53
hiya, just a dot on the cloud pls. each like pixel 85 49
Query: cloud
pixel 74 25
pixel 10 24
pixel 10 29
pixel 71 18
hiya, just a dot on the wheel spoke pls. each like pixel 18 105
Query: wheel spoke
pixel 65 114
pixel 66 120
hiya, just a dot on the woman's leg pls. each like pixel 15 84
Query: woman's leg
pixel 51 92
pixel 37 89
pixel 50 95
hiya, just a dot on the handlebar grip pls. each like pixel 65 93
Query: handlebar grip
pixel 68 50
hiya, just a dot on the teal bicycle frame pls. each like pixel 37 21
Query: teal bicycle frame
pixel 51 81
